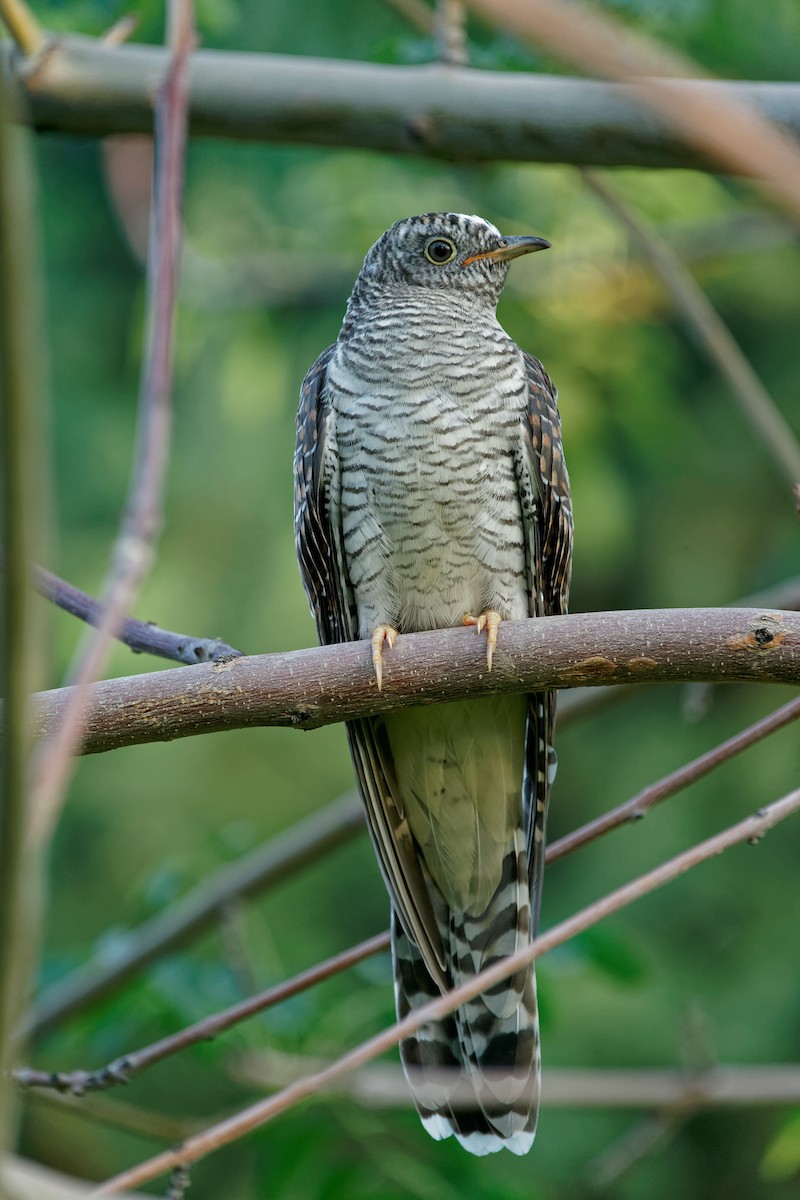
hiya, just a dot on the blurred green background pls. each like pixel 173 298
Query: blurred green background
pixel 676 503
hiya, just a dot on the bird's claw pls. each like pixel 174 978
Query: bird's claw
pixel 490 621
pixel 383 633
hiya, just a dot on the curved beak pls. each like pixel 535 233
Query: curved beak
pixel 512 247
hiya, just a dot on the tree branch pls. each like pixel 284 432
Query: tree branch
pixel 143 637
pixel 450 32
pixel 563 1087
pixel 26 1180
pixel 81 86
pixel 710 331
pixel 122 1070
pixel 305 689
pixel 263 868
pixel 637 807
pixel 752 829
pixel 21 469
pixel 134 548
pixel 22 25
pixel 727 129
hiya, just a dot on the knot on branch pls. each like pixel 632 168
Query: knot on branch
pixel 767 632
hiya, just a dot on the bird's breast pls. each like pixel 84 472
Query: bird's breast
pixel 428 487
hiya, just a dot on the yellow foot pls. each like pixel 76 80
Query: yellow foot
pixel 490 621
pixel 384 633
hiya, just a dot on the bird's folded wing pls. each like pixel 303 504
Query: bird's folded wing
pixel 547 520
pixel 323 568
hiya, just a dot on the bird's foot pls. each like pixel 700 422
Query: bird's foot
pixel 490 621
pixel 383 633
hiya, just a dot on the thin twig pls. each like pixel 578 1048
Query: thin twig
pixel 143 637
pixel 179 1181
pixel 384 1084
pixel 637 1143
pixel 22 25
pixel 121 30
pixel 451 33
pixel 710 331
pixel 752 829
pixel 255 873
pixel 731 132
pixel 635 808
pixel 21 471
pixel 135 545
pixel 122 1070
pixel 119 1115
pixel 305 689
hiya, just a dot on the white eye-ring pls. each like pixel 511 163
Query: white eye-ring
pixel 440 250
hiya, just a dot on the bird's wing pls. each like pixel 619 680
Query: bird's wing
pixel 547 519
pixel 318 534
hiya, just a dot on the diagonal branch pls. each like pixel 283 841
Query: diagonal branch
pixel 122 1070
pixel 255 873
pixel 22 25
pixel 305 689
pixel 728 130
pixel 711 332
pixel 638 806
pixel 134 549
pixel 143 637
pixel 752 829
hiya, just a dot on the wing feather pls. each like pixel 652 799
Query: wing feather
pixel 547 520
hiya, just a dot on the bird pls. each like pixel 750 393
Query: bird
pixel 431 491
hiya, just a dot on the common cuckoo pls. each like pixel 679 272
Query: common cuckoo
pixel 431 491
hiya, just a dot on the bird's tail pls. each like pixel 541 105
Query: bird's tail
pixel 476 1073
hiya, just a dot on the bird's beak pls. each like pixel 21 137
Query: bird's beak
pixel 512 247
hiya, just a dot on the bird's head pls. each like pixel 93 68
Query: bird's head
pixel 446 251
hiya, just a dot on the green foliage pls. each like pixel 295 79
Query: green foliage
pixel 782 1159
pixel 676 503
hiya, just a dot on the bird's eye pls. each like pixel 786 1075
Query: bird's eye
pixel 440 250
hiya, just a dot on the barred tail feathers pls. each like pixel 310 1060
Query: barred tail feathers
pixel 476 1073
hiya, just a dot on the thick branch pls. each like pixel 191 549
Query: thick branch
pixel 81 86
pixel 306 689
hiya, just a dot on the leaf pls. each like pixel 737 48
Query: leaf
pixel 782 1157
pixel 613 954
